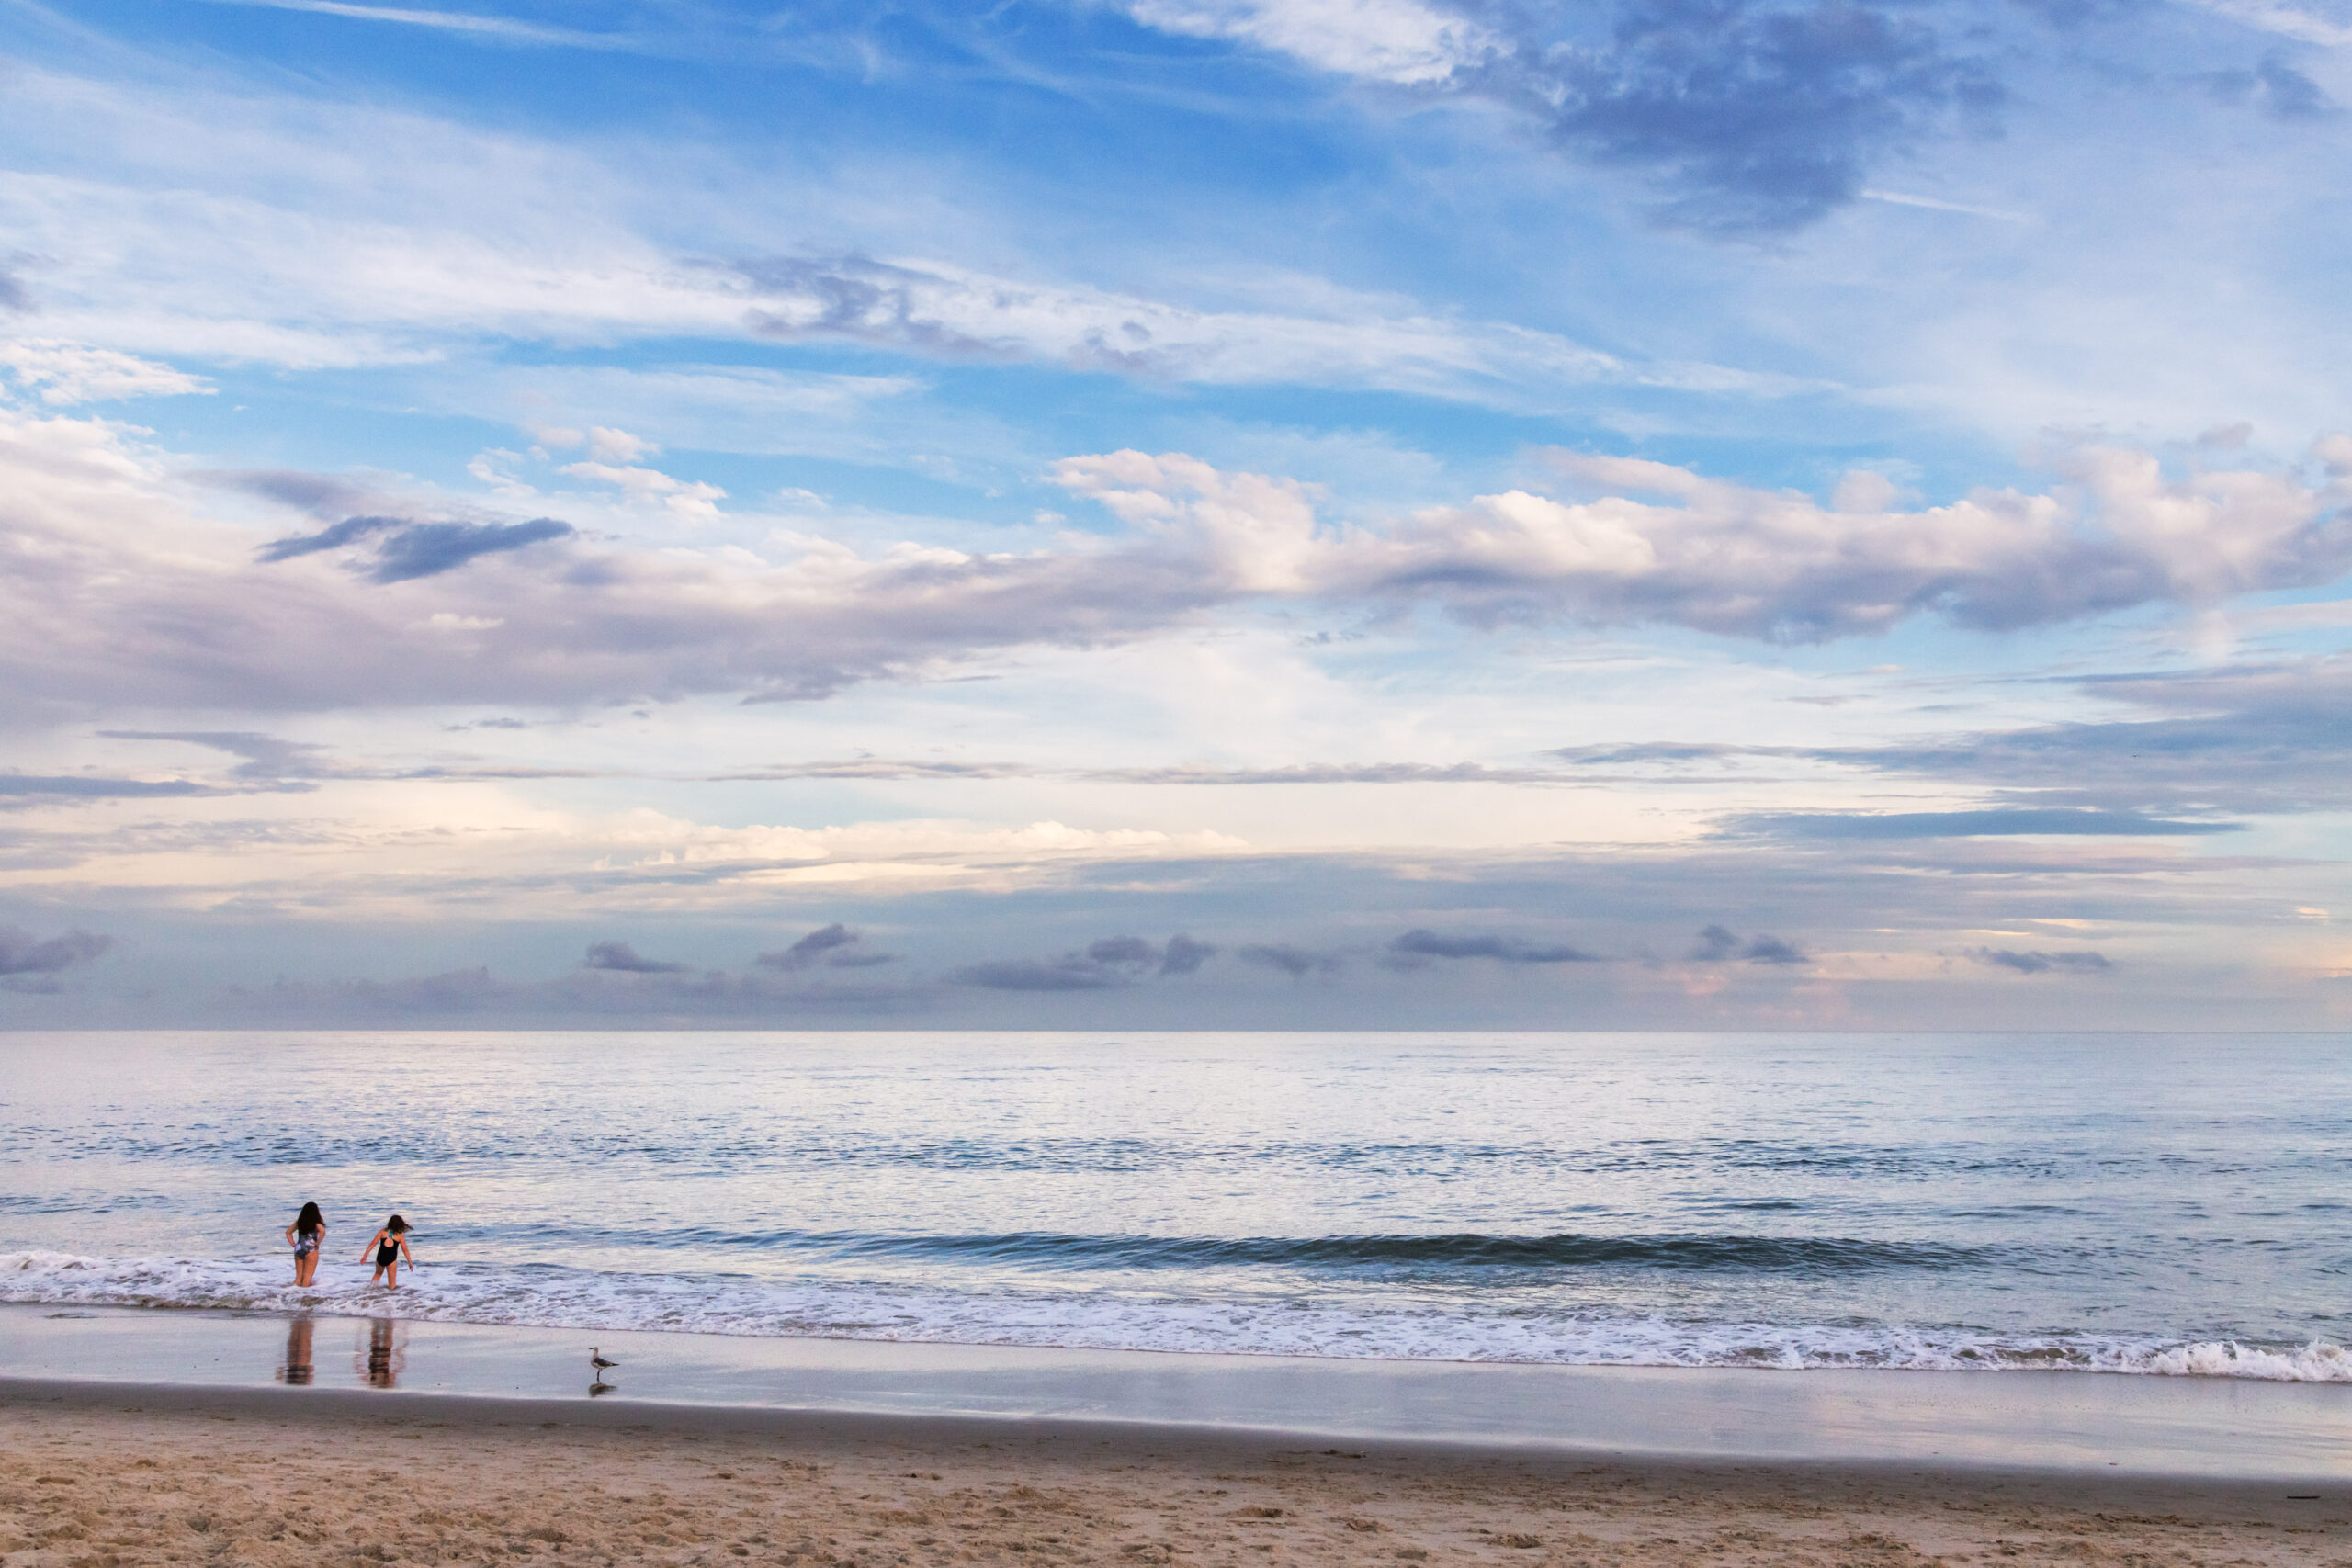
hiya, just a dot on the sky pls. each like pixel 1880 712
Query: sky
pixel 1176 513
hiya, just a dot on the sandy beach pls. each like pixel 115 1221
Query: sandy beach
pixel 92 1477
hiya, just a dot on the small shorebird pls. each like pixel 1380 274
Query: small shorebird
pixel 597 1360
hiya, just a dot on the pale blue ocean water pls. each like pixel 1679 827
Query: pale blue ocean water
pixel 2110 1202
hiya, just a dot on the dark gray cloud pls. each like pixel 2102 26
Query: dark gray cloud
pixel 1103 965
pixel 32 963
pixel 1755 117
pixel 265 758
pixel 1769 949
pixel 1421 944
pixel 85 786
pixel 1717 945
pixel 22 953
pixel 835 946
pixel 1295 962
pixel 2043 963
pixel 406 550
pixel 1182 955
pixel 621 957
pixel 2004 821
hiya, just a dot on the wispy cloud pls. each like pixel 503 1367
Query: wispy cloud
pixel 62 374
pixel 493 29
pixel 1998 821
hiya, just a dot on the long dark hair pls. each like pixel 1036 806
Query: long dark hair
pixel 310 1222
pixel 396 1225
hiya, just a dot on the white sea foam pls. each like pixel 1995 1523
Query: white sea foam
pixel 551 1297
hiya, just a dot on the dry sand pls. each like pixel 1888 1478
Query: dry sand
pixel 86 1483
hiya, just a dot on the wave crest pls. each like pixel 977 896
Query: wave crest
pixel 548 1296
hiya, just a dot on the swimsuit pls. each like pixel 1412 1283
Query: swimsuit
pixel 305 1243
pixel 388 1253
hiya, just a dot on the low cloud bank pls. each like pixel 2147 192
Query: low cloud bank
pixel 1106 965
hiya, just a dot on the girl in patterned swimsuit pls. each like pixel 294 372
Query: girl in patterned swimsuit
pixel 305 1234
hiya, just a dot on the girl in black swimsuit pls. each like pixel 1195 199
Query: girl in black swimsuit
pixel 389 1244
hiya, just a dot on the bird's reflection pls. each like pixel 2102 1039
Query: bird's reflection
pixel 385 1361
pixel 599 1388
pixel 296 1369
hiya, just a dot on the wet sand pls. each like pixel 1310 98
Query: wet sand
pixel 2219 1428
pixel 93 1476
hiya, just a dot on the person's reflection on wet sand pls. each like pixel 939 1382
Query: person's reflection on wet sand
pixel 296 1369
pixel 383 1368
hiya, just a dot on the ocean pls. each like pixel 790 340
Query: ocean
pixel 2163 1204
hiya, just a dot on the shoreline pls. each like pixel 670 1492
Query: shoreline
pixel 194 1474
pixel 1106 1440
pixel 2052 1423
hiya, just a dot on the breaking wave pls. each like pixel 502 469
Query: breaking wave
pixel 552 1296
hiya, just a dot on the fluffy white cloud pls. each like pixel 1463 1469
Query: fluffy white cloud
pixel 1663 544
pixel 1248 533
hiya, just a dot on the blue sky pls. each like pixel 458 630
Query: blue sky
pixel 1648 514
